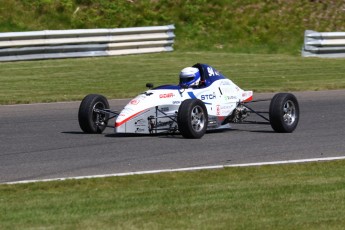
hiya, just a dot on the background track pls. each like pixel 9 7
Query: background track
pixel 44 141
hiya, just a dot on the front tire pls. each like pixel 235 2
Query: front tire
pixel 90 120
pixel 284 113
pixel 192 118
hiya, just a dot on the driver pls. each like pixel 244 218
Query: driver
pixel 189 77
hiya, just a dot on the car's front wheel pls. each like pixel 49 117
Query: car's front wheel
pixel 90 116
pixel 284 112
pixel 192 118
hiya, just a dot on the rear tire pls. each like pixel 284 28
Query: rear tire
pixel 91 121
pixel 192 118
pixel 284 112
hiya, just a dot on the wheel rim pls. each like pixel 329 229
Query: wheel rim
pixel 289 110
pixel 97 117
pixel 197 119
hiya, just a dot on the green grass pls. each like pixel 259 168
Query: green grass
pixel 126 76
pixel 300 196
pixel 305 196
pixel 237 25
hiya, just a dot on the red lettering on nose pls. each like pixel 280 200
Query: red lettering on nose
pixel 166 95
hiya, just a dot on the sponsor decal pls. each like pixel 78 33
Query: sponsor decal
pixel 191 94
pixel 139 130
pixel 223 109
pixel 218 110
pixel 228 98
pixel 134 101
pixel 164 109
pixel 176 102
pixel 226 107
pixel 208 96
pixel 212 72
pixel 140 122
pixel 166 95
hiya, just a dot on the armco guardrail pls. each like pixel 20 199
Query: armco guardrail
pixel 16 46
pixel 324 44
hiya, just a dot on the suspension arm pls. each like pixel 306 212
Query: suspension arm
pixel 257 113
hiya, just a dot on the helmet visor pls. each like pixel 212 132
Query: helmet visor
pixel 186 80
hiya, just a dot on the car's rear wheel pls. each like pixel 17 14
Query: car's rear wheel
pixel 192 118
pixel 284 112
pixel 90 116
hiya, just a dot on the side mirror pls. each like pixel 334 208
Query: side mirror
pixel 149 85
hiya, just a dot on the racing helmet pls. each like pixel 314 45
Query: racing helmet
pixel 189 76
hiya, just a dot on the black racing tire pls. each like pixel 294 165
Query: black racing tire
pixel 284 113
pixel 192 118
pixel 89 120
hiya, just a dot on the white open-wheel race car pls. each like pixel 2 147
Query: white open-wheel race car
pixel 203 100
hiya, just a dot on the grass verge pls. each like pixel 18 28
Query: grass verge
pixel 300 196
pixel 126 76
pixel 237 26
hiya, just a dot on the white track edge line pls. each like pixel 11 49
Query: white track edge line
pixel 180 170
pixel 287 162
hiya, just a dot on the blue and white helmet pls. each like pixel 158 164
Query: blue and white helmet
pixel 189 76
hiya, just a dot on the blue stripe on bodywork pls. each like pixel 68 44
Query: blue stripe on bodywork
pixel 192 96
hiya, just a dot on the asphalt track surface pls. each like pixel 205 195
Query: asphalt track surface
pixel 44 141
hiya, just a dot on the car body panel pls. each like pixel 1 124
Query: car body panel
pixel 155 110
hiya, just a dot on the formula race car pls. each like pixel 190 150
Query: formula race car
pixel 203 100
